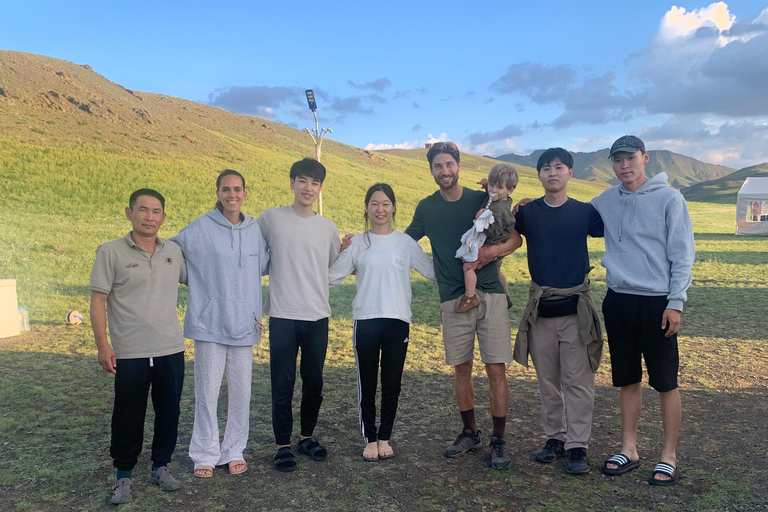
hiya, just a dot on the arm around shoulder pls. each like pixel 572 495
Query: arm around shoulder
pixel 489 253
pixel 596 227
pixel 263 252
pixel 421 261
pixel 416 229
pixel 182 268
pixel 343 266
pixel 335 244
pixel 263 223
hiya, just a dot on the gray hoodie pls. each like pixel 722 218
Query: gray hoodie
pixel 648 240
pixel 225 263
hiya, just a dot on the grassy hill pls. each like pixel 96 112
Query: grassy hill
pixel 724 190
pixel 682 170
pixel 67 167
pixel 73 145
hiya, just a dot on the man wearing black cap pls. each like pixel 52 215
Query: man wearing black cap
pixel 649 253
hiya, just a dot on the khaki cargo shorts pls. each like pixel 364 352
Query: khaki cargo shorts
pixel 489 320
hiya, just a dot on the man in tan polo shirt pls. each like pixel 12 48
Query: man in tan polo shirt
pixel 135 282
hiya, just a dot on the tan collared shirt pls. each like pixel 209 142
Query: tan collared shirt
pixel 142 291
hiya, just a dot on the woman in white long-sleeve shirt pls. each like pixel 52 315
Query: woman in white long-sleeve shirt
pixel 382 259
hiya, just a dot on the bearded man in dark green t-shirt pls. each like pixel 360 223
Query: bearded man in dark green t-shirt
pixel 444 217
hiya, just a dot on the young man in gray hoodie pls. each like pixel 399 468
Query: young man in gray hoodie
pixel 649 253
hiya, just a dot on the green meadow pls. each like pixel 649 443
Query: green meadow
pixel 61 198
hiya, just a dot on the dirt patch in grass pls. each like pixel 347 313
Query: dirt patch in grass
pixel 54 430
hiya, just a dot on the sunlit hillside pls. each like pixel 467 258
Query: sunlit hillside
pixel 74 145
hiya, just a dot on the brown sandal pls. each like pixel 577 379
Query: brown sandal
pixel 203 471
pixel 237 467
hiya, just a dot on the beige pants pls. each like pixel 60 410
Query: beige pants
pixel 489 320
pixel 566 381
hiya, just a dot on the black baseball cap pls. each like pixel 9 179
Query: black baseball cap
pixel 627 144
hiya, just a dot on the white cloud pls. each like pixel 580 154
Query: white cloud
pixel 678 23
pixel 405 145
pixel 732 143
pixel 763 18
pixel 704 62
pixel 443 137
pixel 494 148
pixel 705 71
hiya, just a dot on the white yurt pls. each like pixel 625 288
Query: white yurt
pixel 752 207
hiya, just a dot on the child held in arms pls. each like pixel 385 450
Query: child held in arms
pixel 494 224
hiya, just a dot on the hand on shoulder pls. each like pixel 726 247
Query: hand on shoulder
pixel 522 203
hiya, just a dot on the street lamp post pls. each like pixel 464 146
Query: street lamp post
pixel 318 135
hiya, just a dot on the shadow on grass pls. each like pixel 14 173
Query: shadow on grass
pixel 726 312
pixel 733 257
pixel 729 237
pixel 710 311
pixel 54 428
pixel 72 291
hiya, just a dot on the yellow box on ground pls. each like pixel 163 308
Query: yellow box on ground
pixel 9 309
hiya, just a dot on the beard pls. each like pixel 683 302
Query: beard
pixel 450 185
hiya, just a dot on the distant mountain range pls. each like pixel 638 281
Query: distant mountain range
pixel 723 190
pixel 683 171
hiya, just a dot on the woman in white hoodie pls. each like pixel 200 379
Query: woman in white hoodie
pixel 383 259
pixel 226 256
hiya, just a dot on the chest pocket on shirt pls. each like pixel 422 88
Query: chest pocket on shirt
pixel 398 262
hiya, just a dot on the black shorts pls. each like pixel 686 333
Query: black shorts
pixel 633 325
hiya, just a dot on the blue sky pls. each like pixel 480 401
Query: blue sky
pixel 495 77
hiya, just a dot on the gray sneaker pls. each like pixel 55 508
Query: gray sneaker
pixel 551 451
pixel 499 454
pixel 464 443
pixel 121 491
pixel 164 479
pixel 577 461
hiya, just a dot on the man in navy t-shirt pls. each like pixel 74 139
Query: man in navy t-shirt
pixel 560 327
